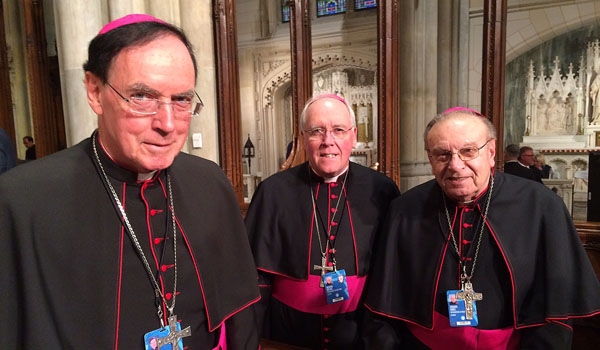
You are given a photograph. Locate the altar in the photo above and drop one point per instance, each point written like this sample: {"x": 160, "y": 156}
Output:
{"x": 570, "y": 178}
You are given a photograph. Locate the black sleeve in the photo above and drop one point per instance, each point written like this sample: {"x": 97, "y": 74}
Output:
{"x": 553, "y": 335}
{"x": 241, "y": 329}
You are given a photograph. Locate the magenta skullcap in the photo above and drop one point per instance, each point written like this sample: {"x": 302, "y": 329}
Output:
{"x": 463, "y": 109}
{"x": 129, "y": 19}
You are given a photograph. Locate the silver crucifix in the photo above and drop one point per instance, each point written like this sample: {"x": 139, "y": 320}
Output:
{"x": 323, "y": 267}
{"x": 174, "y": 335}
{"x": 469, "y": 296}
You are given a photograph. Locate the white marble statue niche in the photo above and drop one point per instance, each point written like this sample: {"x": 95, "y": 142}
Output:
{"x": 554, "y": 104}
{"x": 563, "y": 111}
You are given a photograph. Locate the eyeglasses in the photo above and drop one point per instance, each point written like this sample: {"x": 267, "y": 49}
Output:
{"x": 320, "y": 133}
{"x": 464, "y": 154}
{"x": 142, "y": 102}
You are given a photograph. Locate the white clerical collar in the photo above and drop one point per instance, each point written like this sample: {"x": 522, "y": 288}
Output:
{"x": 332, "y": 179}
{"x": 146, "y": 176}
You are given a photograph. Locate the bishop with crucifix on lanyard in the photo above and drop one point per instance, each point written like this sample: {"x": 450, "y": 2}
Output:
{"x": 312, "y": 229}
{"x": 118, "y": 252}
{"x": 495, "y": 258}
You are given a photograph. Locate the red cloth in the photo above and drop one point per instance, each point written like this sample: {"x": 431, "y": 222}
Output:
{"x": 443, "y": 336}
{"x": 307, "y": 296}
{"x": 129, "y": 19}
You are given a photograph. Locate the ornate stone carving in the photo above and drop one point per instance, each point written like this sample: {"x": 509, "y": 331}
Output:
{"x": 564, "y": 109}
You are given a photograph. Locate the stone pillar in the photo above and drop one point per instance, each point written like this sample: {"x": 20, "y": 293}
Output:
{"x": 74, "y": 30}
{"x": 168, "y": 10}
{"x": 197, "y": 21}
{"x": 120, "y": 8}
{"x": 18, "y": 94}
{"x": 418, "y": 28}
{"x": 453, "y": 68}
{"x": 462, "y": 51}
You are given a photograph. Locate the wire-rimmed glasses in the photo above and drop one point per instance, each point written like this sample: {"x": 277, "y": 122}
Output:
{"x": 320, "y": 133}
{"x": 143, "y": 103}
{"x": 464, "y": 154}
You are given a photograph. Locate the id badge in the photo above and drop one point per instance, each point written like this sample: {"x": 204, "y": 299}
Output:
{"x": 336, "y": 287}
{"x": 457, "y": 311}
{"x": 152, "y": 342}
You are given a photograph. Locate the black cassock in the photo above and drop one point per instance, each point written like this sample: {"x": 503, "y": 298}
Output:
{"x": 283, "y": 236}
{"x": 515, "y": 168}
{"x": 531, "y": 268}
{"x": 72, "y": 278}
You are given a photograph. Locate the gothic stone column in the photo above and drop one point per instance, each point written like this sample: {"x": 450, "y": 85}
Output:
{"x": 73, "y": 34}
{"x": 418, "y": 27}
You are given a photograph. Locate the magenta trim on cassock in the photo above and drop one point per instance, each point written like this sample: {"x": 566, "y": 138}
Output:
{"x": 443, "y": 336}
{"x": 307, "y": 296}
{"x": 129, "y": 19}
{"x": 222, "y": 339}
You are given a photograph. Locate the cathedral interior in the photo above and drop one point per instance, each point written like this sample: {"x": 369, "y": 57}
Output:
{"x": 541, "y": 90}
{"x": 534, "y": 69}
{"x": 551, "y": 60}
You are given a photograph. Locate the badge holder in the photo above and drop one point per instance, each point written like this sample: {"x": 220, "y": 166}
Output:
{"x": 168, "y": 337}
{"x": 457, "y": 310}
{"x": 336, "y": 287}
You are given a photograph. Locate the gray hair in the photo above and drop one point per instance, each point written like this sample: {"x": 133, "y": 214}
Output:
{"x": 450, "y": 113}
{"x": 322, "y": 96}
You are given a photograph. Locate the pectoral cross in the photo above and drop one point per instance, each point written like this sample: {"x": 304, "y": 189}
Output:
{"x": 323, "y": 267}
{"x": 469, "y": 296}
{"x": 174, "y": 335}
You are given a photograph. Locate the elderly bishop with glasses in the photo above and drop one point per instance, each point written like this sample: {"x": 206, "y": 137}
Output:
{"x": 123, "y": 241}
{"x": 475, "y": 258}
{"x": 312, "y": 229}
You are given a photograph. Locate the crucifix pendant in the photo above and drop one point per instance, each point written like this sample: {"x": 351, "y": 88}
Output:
{"x": 172, "y": 335}
{"x": 323, "y": 267}
{"x": 469, "y": 296}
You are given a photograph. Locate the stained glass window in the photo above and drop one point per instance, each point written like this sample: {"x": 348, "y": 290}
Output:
{"x": 285, "y": 11}
{"x": 364, "y": 4}
{"x": 330, "y": 7}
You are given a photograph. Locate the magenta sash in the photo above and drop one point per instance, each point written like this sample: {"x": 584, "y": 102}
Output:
{"x": 307, "y": 296}
{"x": 443, "y": 336}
